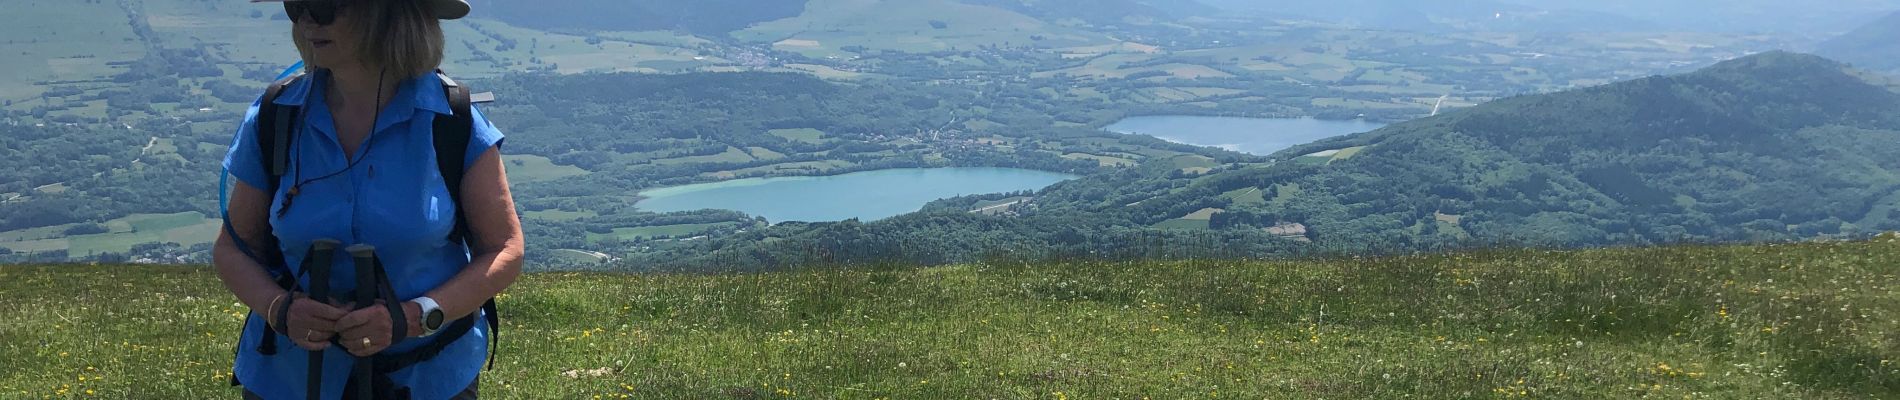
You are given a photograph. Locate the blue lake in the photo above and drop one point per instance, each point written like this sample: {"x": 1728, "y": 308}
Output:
{"x": 1257, "y": 136}
{"x": 867, "y": 196}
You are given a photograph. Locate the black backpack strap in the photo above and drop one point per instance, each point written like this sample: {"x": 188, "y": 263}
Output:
{"x": 452, "y": 136}
{"x": 274, "y": 131}
{"x": 494, "y": 330}
{"x": 273, "y": 135}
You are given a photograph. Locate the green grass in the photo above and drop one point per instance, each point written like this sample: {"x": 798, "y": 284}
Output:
{"x": 791, "y": 168}
{"x": 186, "y": 228}
{"x": 1190, "y": 163}
{"x": 1203, "y": 214}
{"x": 1771, "y": 321}
{"x": 732, "y": 155}
{"x": 1284, "y": 193}
{"x": 1105, "y": 161}
{"x": 645, "y": 232}
{"x": 577, "y": 255}
{"x": 806, "y": 135}
{"x": 1347, "y": 153}
{"x": 61, "y": 40}
{"x": 764, "y": 154}
{"x": 1183, "y": 223}
{"x": 827, "y": 26}
{"x": 531, "y": 168}
{"x": 559, "y": 215}
{"x": 1247, "y": 196}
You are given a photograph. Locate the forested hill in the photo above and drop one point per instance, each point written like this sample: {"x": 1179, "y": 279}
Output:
{"x": 1774, "y": 146}
{"x": 706, "y": 17}
{"x": 1771, "y": 146}
{"x": 716, "y": 18}
{"x": 1104, "y": 12}
{"x": 1875, "y": 46}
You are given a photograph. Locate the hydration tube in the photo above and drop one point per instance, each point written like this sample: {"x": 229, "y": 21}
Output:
{"x": 224, "y": 173}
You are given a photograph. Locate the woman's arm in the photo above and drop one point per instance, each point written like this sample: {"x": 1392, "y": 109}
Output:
{"x": 496, "y": 257}
{"x": 249, "y": 206}
{"x": 494, "y": 264}
{"x": 311, "y": 323}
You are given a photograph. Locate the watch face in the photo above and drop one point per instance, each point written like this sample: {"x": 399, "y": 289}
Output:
{"x": 432, "y": 320}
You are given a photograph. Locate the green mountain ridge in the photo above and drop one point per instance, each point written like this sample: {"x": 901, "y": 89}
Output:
{"x": 706, "y": 17}
{"x": 1774, "y": 146}
{"x": 1771, "y": 146}
{"x": 1871, "y": 46}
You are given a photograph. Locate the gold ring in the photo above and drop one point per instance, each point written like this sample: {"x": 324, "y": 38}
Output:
{"x": 366, "y": 343}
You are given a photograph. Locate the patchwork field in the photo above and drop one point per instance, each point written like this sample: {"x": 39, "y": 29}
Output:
{"x": 828, "y": 26}
{"x": 186, "y": 229}
{"x": 650, "y": 232}
{"x": 531, "y": 168}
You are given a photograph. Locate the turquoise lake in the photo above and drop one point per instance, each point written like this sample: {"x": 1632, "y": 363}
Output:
{"x": 867, "y": 196}
{"x": 1257, "y": 136}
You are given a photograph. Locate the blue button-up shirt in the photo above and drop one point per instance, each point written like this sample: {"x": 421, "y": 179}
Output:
{"x": 394, "y": 199}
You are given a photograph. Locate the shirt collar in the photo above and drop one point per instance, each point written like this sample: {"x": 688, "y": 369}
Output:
{"x": 424, "y": 92}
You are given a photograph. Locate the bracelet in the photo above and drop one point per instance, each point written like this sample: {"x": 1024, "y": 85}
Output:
{"x": 283, "y": 314}
{"x": 270, "y": 313}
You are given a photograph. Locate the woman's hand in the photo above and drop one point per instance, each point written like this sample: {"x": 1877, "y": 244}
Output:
{"x": 370, "y": 323}
{"x": 311, "y": 323}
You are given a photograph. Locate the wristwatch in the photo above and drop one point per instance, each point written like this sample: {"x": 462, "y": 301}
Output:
{"x": 431, "y": 315}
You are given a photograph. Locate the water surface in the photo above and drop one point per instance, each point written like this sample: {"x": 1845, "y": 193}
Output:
{"x": 869, "y": 195}
{"x": 1257, "y": 136}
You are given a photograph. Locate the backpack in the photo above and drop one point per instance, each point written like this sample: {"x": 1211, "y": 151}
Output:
{"x": 451, "y": 136}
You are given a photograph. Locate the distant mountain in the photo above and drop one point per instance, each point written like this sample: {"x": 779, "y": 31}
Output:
{"x": 718, "y": 17}
{"x": 706, "y": 17}
{"x": 1874, "y": 46}
{"x": 1102, "y": 11}
{"x": 1580, "y": 15}
{"x": 1453, "y": 15}
{"x": 1806, "y": 17}
{"x": 1771, "y": 146}
{"x": 1774, "y": 146}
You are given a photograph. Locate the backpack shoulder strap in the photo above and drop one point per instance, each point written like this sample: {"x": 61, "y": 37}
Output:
{"x": 273, "y": 143}
{"x": 274, "y": 125}
{"x": 452, "y": 135}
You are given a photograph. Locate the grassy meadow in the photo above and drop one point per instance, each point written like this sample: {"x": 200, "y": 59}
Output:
{"x": 1769, "y": 321}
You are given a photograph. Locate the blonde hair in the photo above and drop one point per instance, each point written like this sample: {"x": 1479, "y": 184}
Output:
{"x": 401, "y": 36}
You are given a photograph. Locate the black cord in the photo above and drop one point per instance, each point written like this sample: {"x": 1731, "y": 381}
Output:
{"x": 361, "y": 155}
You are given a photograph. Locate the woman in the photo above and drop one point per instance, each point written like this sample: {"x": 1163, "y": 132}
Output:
{"x": 362, "y": 170}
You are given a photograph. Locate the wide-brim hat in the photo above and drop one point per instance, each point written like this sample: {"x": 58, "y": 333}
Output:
{"x": 444, "y": 9}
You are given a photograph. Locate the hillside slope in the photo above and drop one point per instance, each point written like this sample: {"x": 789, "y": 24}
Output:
{"x": 1771, "y": 146}
{"x": 705, "y": 17}
{"x": 1874, "y": 46}
{"x": 1775, "y": 146}
{"x": 1781, "y": 321}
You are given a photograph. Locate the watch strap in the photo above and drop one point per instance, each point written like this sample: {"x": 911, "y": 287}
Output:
{"x": 428, "y": 307}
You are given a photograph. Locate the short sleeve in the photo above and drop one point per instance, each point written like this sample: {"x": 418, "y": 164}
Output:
{"x": 243, "y": 160}
{"x": 484, "y": 137}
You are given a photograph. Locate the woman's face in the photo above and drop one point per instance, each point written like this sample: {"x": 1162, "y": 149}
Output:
{"x": 330, "y": 46}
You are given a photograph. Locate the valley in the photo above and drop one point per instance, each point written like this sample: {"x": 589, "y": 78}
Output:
{"x": 600, "y": 111}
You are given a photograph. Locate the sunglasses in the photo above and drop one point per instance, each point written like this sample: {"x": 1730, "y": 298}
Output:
{"x": 323, "y": 12}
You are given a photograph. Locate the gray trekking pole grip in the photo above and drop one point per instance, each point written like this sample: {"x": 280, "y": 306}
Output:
{"x": 365, "y": 257}
{"x": 317, "y": 264}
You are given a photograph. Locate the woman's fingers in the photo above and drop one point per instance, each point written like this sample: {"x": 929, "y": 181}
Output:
{"x": 368, "y": 345}
{"x": 311, "y": 346}
{"x": 357, "y": 318}
{"x": 312, "y": 323}
{"x": 370, "y": 323}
